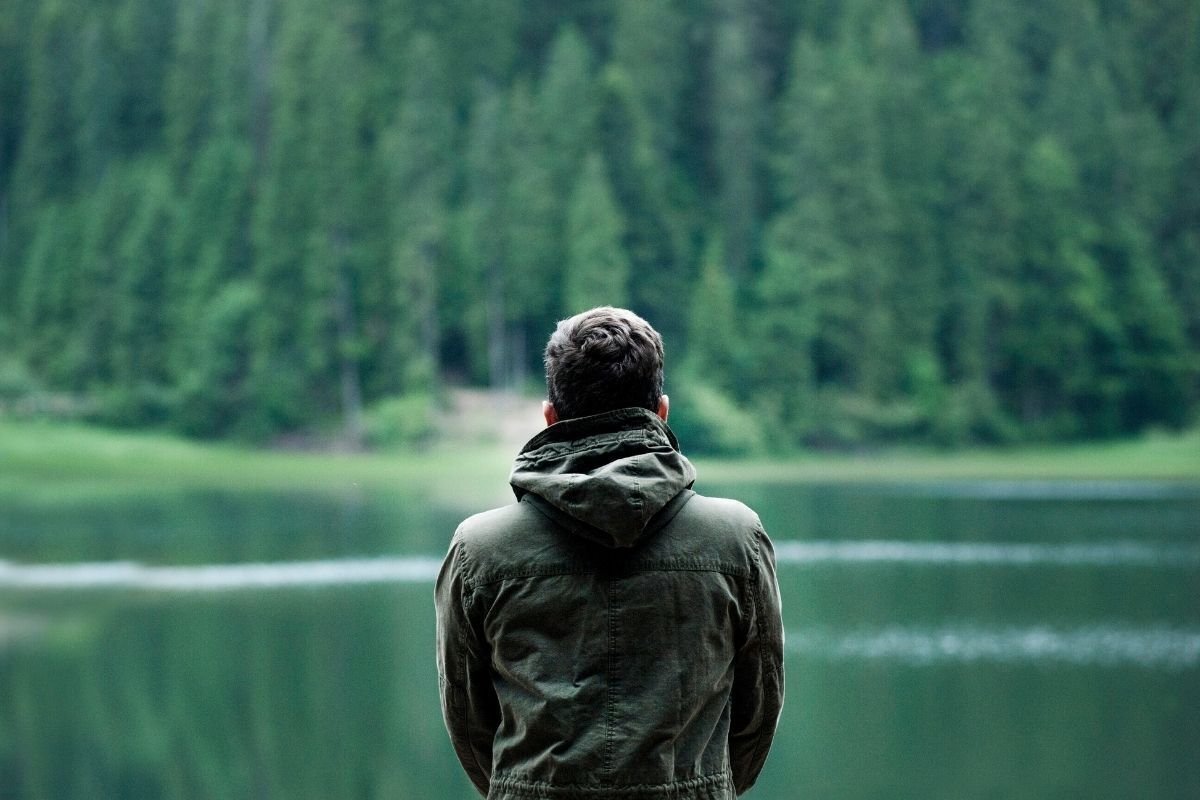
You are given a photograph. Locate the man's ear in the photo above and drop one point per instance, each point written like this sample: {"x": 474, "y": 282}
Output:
{"x": 549, "y": 412}
{"x": 664, "y": 407}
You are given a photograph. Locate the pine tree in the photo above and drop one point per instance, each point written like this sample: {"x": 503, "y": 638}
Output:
{"x": 567, "y": 105}
{"x": 1142, "y": 373}
{"x": 103, "y": 284}
{"x": 714, "y": 341}
{"x": 643, "y": 100}
{"x": 207, "y": 80}
{"x": 982, "y": 134}
{"x": 739, "y": 115}
{"x": 46, "y": 313}
{"x": 46, "y": 161}
{"x": 96, "y": 100}
{"x": 533, "y": 240}
{"x": 305, "y": 350}
{"x": 214, "y": 391}
{"x": 486, "y": 281}
{"x": 210, "y": 151}
{"x": 1180, "y": 240}
{"x": 802, "y": 300}
{"x": 209, "y": 243}
{"x": 142, "y": 33}
{"x": 649, "y": 47}
{"x": 13, "y": 83}
{"x": 1064, "y": 333}
{"x": 1157, "y": 367}
{"x": 140, "y": 330}
{"x": 910, "y": 168}
{"x": 831, "y": 184}
{"x": 968, "y": 221}
{"x": 281, "y": 219}
{"x": 332, "y": 265}
{"x": 419, "y": 158}
{"x": 597, "y": 267}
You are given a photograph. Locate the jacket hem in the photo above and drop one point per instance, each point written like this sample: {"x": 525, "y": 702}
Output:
{"x": 718, "y": 786}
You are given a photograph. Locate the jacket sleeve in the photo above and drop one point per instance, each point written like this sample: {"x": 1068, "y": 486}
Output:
{"x": 757, "y": 696}
{"x": 469, "y": 705}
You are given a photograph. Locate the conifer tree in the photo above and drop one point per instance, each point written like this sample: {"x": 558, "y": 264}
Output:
{"x": 909, "y": 165}
{"x": 206, "y": 84}
{"x": 332, "y": 265}
{"x": 597, "y": 267}
{"x": 644, "y": 91}
{"x": 567, "y": 105}
{"x": 1155, "y": 362}
{"x": 802, "y": 302}
{"x": 209, "y": 242}
{"x": 1064, "y": 331}
{"x": 966, "y": 221}
{"x": 140, "y": 327}
{"x": 714, "y": 343}
{"x": 12, "y": 88}
{"x": 533, "y": 240}
{"x": 419, "y": 158}
{"x": 649, "y": 46}
{"x": 283, "y": 370}
{"x": 46, "y": 311}
{"x": 830, "y": 179}
{"x": 102, "y": 283}
{"x": 739, "y": 114}
{"x": 1180, "y": 243}
{"x": 46, "y": 160}
{"x": 980, "y": 199}
{"x": 95, "y": 100}
{"x": 483, "y": 238}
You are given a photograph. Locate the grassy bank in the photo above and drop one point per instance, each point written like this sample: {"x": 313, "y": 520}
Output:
{"x": 55, "y": 460}
{"x": 1159, "y": 457}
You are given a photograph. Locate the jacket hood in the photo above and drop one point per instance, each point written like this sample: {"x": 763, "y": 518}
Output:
{"x": 610, "y": 473}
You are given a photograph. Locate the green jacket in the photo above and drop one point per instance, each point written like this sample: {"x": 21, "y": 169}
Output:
{"x": 612, "y": 634}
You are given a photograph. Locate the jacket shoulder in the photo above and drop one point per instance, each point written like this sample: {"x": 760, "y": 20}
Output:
{"x": 492, "y": 531}
{"x": 712, "y": 532}
{"x": 507, "y": 541}
{"x": 723, "y": 512}
{"x": 487, "y": 526}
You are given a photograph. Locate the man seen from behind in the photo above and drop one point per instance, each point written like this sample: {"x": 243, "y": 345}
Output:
{"x": 612, "y": 634}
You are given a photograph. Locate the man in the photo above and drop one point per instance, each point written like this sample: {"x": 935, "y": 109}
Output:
{"x": 612, "y": 634}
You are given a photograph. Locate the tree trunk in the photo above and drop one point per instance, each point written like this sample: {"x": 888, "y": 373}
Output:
{"x": 258, "y": 45}
{"x": 427, "y": 306}
{"x": 351, "y": 386}
{"x": 496, "y": 333}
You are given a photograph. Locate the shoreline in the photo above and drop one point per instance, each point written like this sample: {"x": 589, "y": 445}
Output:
{"x": 50, "y": 457}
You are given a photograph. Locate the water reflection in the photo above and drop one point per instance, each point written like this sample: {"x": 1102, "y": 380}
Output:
{"x": 304, "y": 695}
{"x": 939, "y": 645}
{"x": 1155, "y": 647}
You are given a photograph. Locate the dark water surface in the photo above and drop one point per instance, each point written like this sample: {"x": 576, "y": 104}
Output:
{"x": 955, "y": 640}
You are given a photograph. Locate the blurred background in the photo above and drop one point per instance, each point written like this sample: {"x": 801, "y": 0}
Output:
{"x": 275, "y": 277}
{"x": 944, "y": 220}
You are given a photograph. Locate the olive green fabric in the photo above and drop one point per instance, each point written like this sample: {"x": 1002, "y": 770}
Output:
{"x": 612, "y": 634}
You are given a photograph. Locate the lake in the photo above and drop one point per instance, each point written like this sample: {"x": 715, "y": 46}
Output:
{"x": 972, "y": 639}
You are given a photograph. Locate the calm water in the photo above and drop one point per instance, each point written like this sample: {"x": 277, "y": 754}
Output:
{"x": 959, "y": 640}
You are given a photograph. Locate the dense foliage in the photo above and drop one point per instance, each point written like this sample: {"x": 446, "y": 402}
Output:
{"x": 956, "y": 220}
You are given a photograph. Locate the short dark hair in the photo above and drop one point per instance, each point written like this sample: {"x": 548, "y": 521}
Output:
{"x": 603, "y": 359}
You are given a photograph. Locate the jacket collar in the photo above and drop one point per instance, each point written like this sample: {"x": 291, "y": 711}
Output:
{"x": 611, "y": 473}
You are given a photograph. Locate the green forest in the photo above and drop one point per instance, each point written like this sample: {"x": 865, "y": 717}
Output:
{"x": 949, "y": 221}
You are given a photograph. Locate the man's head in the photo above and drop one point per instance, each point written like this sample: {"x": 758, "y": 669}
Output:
{"x": 603, "y": 359}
